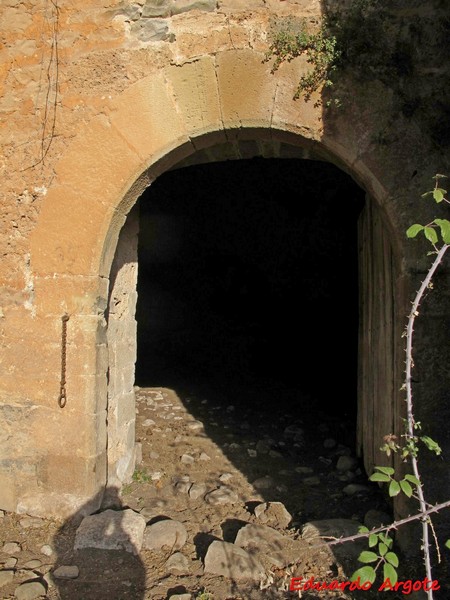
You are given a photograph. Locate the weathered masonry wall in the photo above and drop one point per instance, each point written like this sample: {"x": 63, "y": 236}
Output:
{"x": 98, "y": 99}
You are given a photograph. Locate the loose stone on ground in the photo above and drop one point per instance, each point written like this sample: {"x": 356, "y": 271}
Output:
{"x": 30, "y": 590}
{"x": 233, "y": 562}
{"x": 112, "y": 530}
{"x": 165, "y": 534}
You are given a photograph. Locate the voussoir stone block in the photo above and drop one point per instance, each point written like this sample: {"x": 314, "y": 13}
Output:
{"x": 246, "y": 88}
{"x": 159, "y": 127}
{"x": 195, "y": 91}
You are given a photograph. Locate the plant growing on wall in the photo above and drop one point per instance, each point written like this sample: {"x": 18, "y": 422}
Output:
{"x": 369, "y": 40}
{"x": 357, "y": 38}
{"x": 318, "y": 46}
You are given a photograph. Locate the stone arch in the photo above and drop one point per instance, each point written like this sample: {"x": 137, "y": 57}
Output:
{"x": 157, "y": 122}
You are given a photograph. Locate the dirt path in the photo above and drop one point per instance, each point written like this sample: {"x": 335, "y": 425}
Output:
{"x": 263, "y": 445}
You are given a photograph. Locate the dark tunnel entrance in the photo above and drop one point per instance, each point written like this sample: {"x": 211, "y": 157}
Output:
{"x": 248, "y": 277}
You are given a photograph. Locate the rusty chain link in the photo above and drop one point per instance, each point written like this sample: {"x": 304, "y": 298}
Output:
{"x": 62, "y": 390}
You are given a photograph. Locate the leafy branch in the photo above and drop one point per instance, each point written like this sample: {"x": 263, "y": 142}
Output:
{"x": 437, "y": 232}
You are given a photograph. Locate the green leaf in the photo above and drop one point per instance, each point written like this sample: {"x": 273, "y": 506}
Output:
{"x": 447, "y": 544}
{"x": 382, "y": 548}
{"x": 394, "y": 488}
{"x": 431, "y": 444}
{"x": 392, "y": 558}
{"x": 444, "y": 225}
{"x": 366, "y": 573}
{"x": 379, "y": 477}
{"x": 406, "y": 488}
{"x": 438, "y": 194}
{"x": 387, "y": 470}
{"x": 363, "y": 529}
{"x": 439, "y": 176}
{"x": 367, "y": 557}
{"x": 430, "y": 234}
{"x": 412, "y": 479}
{"x": 427, "y": 194}
{"x": 412, "y": 231}
{"x": 385, "y": 539}
{"x": 373, "y": 540}
{"x": 390, "y": 573}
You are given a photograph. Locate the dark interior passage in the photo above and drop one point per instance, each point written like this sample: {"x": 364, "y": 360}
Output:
{"x": 248, "y": 275}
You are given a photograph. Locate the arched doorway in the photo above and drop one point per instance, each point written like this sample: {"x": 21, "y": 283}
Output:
{"x": 256, "y": 273}
{"x": 99, "y": 180}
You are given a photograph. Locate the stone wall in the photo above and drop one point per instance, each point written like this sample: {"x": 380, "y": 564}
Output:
{"x": 97, "y": 100}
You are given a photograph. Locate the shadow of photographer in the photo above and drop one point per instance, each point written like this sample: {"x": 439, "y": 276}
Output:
{"x": 98, "y": 554}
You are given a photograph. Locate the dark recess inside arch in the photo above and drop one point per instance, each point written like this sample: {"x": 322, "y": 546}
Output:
{"x": 248, "y": 277}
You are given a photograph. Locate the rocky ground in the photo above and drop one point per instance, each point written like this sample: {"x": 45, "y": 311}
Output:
{"x": 227, "y": 503}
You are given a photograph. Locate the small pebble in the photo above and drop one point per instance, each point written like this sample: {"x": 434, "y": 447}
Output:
{"x": 263, "y": 483}
{"x": 32, "y": 564}
{"x": 263, "y": 447}
{"x": 10, "y": 563}
{"x": 355, "y": 488}
{"x": 6, "y": 576}
{"x": 66, "y": 572}
{"x": 31, "y": 522}
{"x": 197, "y": 490}
{"x": 30, "y": 590}
{"x": 177, "y": 564}
{"x": 11, "y": 548}
{"x": 183, "y": 487}
{"x": 47, "y": 550}
{"x": 304, "y": 470}
{"x": 195, "y": 426}
{"x": 346, "y": 463}
{"x": 187, "y": 459}
{"x": 311, "y": 481}
{"x": 223, "y": 495}
{"x": 275, "y": 454}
